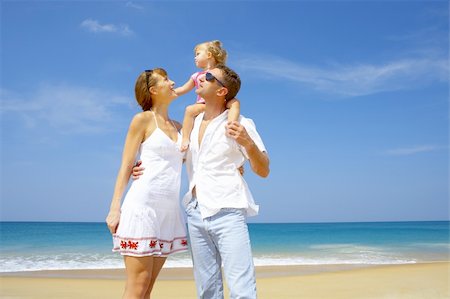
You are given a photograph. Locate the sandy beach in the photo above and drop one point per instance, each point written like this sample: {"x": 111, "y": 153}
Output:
{"x": 427, "y": 280}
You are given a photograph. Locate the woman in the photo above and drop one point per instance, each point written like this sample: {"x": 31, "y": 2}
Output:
{"x": 149, "y": 226}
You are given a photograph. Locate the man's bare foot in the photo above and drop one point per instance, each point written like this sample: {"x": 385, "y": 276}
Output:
{"x": 184, "y": 145}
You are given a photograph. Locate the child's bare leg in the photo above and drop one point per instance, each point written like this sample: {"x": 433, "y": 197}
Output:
{"x": 188, "y": 123}
{"x": 234, "y": 109}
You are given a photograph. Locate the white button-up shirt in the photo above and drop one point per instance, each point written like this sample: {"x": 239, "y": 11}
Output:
{"x": 212, "y": 167}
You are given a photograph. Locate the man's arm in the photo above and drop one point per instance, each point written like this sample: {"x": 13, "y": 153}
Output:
{"x": 259, "y": 161}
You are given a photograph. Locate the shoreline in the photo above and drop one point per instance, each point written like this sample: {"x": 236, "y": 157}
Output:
{"x": 186, "y": 273}
{"x": 412, "y": 281}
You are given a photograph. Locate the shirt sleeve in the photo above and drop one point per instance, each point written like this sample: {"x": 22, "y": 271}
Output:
{"x": 194, "y": 78}
{"x": 254, "y": 135}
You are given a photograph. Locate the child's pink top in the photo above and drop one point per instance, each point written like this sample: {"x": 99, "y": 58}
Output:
{"x": 195, "y": 77}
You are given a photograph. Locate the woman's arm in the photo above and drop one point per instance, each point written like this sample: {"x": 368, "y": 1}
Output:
{"x": 188, "y": 86}
{"x": 134, "y": 138}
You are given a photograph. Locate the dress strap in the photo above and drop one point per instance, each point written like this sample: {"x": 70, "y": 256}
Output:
{"x": 174, "y": 125}
{"x": 154, "y": 117}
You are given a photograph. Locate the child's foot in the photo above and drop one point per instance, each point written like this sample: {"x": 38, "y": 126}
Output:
{"x": 184, "y": 145}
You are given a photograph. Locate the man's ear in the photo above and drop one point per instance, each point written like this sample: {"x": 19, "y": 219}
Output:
{"x": 223, "y": 91}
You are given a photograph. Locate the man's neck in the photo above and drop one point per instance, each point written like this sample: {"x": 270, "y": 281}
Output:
{"x": 214, "y": 109}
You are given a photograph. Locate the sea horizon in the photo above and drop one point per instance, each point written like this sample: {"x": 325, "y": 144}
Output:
{"x": 268, "y": 222}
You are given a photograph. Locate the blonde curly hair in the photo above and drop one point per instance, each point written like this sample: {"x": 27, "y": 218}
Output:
{"x": 216, "y": 49}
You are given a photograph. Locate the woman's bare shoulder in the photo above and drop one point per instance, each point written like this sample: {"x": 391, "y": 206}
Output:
{"x": 142, "y": 119}
{"x": 143, "y": 116}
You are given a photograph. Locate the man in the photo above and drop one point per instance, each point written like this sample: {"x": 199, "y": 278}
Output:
{"x": 218, "y": 199}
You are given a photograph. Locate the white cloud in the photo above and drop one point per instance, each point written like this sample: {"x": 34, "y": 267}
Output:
{"x": 134, "y": 5}
{"x": 412, "y": 150}
{"x": 94, "y": 26}
{"x": 429, "y": 41}
{"x": 352, "y": 80}
{"x": 67, "y": 108}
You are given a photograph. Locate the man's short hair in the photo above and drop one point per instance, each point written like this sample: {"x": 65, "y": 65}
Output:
{"x": 231, "y": 80}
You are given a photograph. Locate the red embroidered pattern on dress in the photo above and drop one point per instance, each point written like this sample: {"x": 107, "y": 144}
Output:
{"x": 129, "y": 245}
{"x": 123, "y": 244}
{"x": 133, "y": 245}
{"x": 156, "y": 246}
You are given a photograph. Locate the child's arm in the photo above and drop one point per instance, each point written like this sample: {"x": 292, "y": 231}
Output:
{"x": 235, "y": 109}
{"x": 188, "y": 123}
{"x": 188, "y": 86}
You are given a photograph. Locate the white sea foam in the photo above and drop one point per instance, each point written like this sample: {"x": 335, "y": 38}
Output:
{"x": 355, "y": 254}
{"x": 286, "y": 261}
{"x": 75, "y": 262}
{"x": 113, "y": 261}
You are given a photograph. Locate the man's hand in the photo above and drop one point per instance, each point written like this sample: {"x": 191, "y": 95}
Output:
{"x": 137, "y": 171}
{"x": 238, "y": 132}
{"x": 259, "y": 161}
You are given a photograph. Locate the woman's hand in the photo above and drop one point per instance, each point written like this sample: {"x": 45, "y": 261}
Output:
{"x": 112, "y": 220}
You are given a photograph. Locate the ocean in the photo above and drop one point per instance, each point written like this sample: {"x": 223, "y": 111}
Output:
{"x": 34, "y": 246}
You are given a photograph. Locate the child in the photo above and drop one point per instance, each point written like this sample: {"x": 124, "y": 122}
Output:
{"x": 207, "y": 56}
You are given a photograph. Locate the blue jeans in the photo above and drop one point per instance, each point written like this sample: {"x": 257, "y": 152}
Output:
{"x": 222, "y": 237}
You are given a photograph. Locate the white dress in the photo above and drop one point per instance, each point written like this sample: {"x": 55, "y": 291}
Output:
{"x": 151, "y": 222}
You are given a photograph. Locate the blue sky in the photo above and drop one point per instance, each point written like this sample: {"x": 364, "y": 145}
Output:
{"x": 350, "y": 97}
